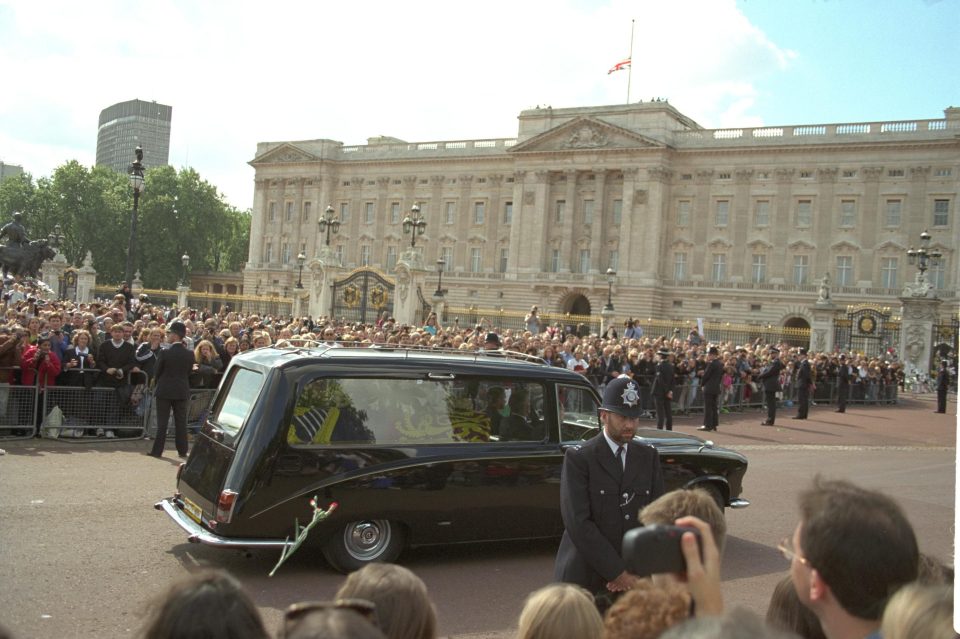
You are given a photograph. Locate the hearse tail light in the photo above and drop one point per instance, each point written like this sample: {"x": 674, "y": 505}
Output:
{"x": 228, "y": 499}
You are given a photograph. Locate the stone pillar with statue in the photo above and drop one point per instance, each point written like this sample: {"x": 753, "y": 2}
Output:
{"x": 86, "y": 280}
{"x": 323, "y": 271}
{"x": 411, "y": 276}
{"x": 919, "y": 312}
{"x": 824, "y": 312}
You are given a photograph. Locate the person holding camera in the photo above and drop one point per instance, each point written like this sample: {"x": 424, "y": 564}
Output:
{"x": 39, "y": 365}
{"x": 173, "y": 369}
{"x": 604, "y": 484}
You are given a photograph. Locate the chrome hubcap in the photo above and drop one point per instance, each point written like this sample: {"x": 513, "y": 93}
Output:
{"x": 366, "y": 540}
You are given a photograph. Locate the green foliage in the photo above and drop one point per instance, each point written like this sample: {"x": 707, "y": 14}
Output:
{"x": 179, "y": 213}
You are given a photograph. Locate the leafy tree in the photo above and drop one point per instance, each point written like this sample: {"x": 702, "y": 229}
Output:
{"x": 179, "y": 213}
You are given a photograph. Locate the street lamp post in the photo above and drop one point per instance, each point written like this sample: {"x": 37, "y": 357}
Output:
{"x": 329, "y": 223}
{"x": 924, "y": 257}
{"x": 440, "y": 264}
{"x": 414, "y": 224}
{"x": 185, "y": 261}
{"x": 611, "y": 277}
{"x": 136, "y": 183}
{"x": 301, "y": 258}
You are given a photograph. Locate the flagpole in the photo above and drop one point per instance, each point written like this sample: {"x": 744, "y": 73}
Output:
{"x": 630, "y": 71}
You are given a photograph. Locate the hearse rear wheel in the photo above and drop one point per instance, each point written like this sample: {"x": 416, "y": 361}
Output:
{"x": 362, "y": 542}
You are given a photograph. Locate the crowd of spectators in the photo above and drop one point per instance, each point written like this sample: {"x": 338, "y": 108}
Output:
{"x": 88, "y": 347}
{"x": 887, "y": 588}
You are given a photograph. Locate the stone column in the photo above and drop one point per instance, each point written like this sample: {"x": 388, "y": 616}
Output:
{"x": 597, "y": 262}
{"x": 182, "y": 296}
{"x": 86, "y": 280}
{"x": 410, "y": 276}
{"x": 821, "y": 329}
{"x": 569, "y": 261}
{"x": 920, "y": 310}
{"x": 656, "y": 200}
{"x": 740, "y": 222}
{"x": 136, "y": 286}
{"x": 630, "y": 235}
{"x": 323, "y": 271}
{"x": 52, "y": 272}
{"x": 300, "y": 301}
{"x": 439, "y": 307}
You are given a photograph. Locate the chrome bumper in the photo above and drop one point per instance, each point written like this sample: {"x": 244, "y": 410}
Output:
{"x": 738, "y": 503}
{"x": 197, "y": 534}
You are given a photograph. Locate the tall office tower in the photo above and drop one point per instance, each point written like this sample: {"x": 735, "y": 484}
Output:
{"x": 126, "y": 125}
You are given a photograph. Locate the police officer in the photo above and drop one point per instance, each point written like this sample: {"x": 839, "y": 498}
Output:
{"x": 770, "y": 376}
{"x": 662, "y": 390}
{"x": 943, "y": 383}
{"x": 843, "y": 384}
{"x": 604, "y": 484}
{"x": 804, "y": 381}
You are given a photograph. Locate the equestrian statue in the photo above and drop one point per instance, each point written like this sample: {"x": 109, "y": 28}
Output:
{"x": 22, "y": 256}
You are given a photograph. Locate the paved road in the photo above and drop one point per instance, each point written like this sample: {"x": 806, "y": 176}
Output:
{"x": 82, "y": 550}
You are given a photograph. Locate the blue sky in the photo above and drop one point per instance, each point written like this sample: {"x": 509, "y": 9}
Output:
{"x": 242, "y": 72}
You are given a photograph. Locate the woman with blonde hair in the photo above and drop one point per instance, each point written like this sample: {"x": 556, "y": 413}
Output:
{"x": 919, "y": 610}
{"x": 208, "y": 365}
{"x": 560, "y": 611}
{"x": 404, "y": 609}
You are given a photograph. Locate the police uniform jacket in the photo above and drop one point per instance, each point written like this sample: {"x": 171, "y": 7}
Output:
{"x": 804, "y": 376}
{"x": 173, "y": 372}
{"x": 770, "y": 376}
{"x": 663, "y": 379}
{"x": 943, "y": 376}
{"x": 712, "y": 376}
{"x": 843, "y": 375}
{"x": 600, "y": 502}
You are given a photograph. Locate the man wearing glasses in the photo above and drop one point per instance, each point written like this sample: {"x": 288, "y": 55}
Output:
{"x": 603, "y": 485}
{"x": 852, "y": 549}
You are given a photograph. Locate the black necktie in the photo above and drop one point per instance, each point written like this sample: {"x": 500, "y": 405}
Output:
{"x": 620, "y": 456}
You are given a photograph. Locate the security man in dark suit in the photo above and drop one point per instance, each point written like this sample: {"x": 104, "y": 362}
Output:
{"x": 843, "y": 384}
{"x": 662, "y": 390}
{"x": 804, "y": 381}
{"x": 712, "y": 375}
{"x": 943, "y": 383}
{"x": 174, "y": 366}
{"x": 604, "y": 484}
{"x": 770, "y": 376}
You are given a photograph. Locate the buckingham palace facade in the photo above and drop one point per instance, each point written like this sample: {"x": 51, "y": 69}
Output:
{"x": 725, "y": 224}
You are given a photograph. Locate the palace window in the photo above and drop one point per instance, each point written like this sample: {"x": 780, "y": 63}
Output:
{"x": 722, "y": 215}
{"x": 614, "y": 260}
{"x": 941, "y": 212}
{"x": 476, "y": 259}
{"x": 368, "y": 213}
{"x": 394, "y": 212}
{"x": 848, "y": 212}
{"x": 804, "y": 213}
{"x": 446, "y": 254}
{"x": 893, "y": 212}
{"x": 761, "y": 216}
{"x": 758, "y": 270}
{"x": 508, "y": 212}
{"x": 559, "y": 211}
{"x": 718, "y": 272}
{"x": 801, "y": 269}
{"x": 272, "y": 212}
{"x": 683, "y": 213}
{"x": 365, "y": 255}
{"x": 391, "y": 257}
{"x": 679, "y": 266}
{"x": 449, "y": 212}
{"x": 504, "y": 258}
{"x": 289, "y": 213}
{"x": 479, "y": 212}
{"x": 268, "y": 252}
{"x": 285, "y": 253}
{"x": 588, "y": 211}
{"x": 306, "y": 211}
{"x": 584, "y": 261}
{"x": 617, "y": 212}
{"x": 844, "y": 270}
{"x": 344, "y": 213}
{"x": 937, "y": 273}
{"x": 555, "y": 261}
{"x": 888, "y": 272}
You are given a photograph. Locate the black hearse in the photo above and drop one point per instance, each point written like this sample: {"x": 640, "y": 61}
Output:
{"x": 416, "y": 447}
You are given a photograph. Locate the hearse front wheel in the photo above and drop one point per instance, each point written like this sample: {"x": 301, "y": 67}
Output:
{"x": 362, "y": 542}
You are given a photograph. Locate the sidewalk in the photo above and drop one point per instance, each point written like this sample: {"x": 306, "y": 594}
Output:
{"x": 912, "y": 423}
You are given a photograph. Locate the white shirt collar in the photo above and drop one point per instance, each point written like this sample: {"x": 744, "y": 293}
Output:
{"x": 614, "y": 446}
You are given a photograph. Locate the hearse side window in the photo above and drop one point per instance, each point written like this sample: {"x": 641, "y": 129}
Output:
{"x": 577, "y": 408}
{"x": 235, "y": 400}
{"x": 350, "y": 411}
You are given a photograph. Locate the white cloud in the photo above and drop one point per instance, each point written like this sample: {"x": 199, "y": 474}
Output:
{"x": 242, "y": 72}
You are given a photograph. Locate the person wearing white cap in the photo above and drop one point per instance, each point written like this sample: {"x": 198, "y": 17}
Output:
{"x": 604, "y": 484}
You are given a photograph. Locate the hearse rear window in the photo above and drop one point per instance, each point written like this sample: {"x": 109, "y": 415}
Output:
{"x": 418, "y": 411}
{"x": 234, "y": 405}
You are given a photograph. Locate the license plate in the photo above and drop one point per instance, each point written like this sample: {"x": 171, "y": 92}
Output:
{"x": 193, "y": 510}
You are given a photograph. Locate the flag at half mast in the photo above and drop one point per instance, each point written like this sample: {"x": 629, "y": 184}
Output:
{"x": 620, "y": 66}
